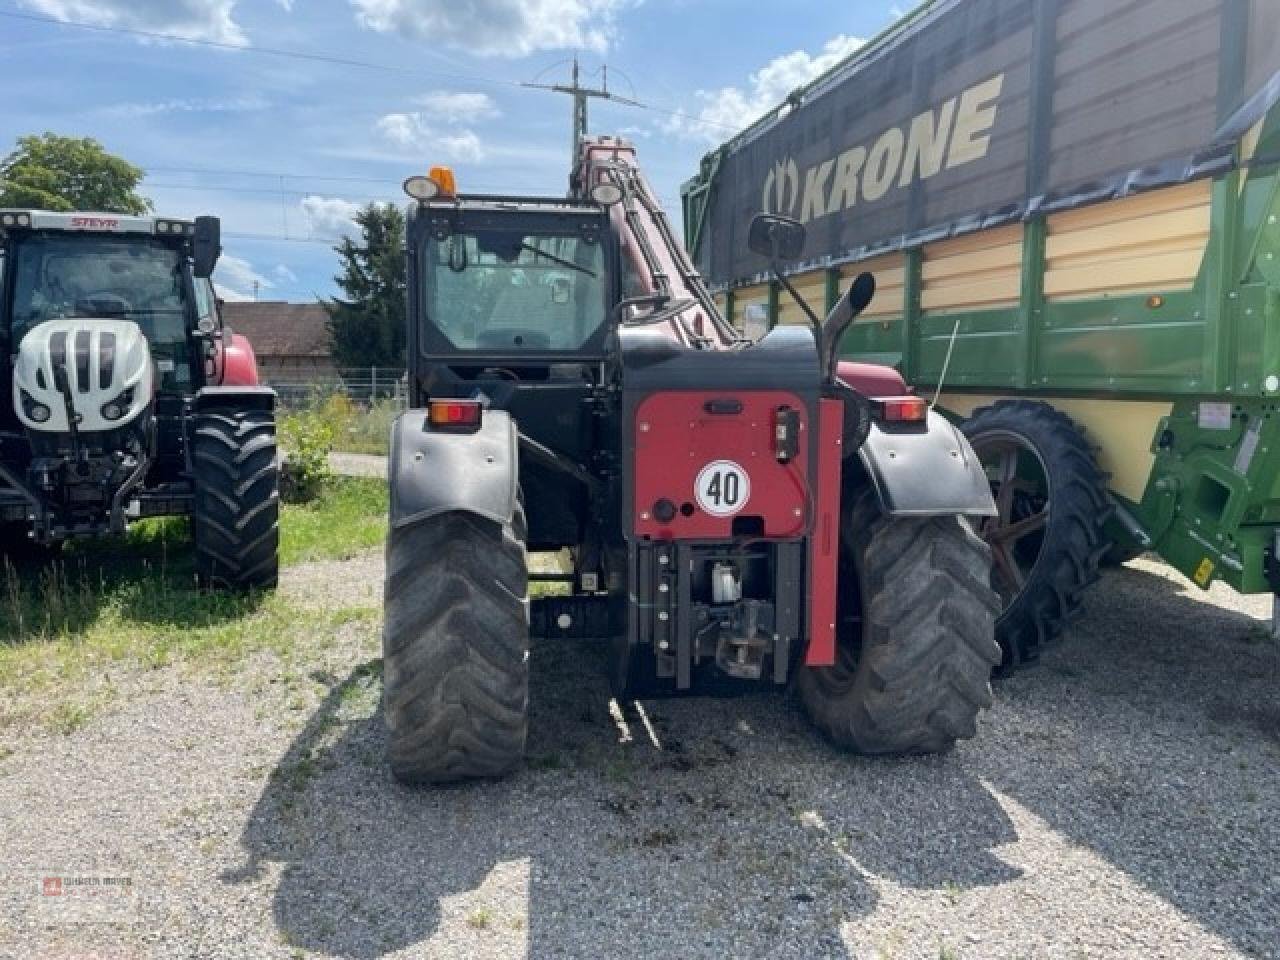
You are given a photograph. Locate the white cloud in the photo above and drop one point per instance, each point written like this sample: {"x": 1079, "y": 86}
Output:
{"x": 450, "y": 107}
{"x": 502, "y": 28}
{"x": 330, "y": 218}
{"x": 729, "y": 109}
{"x": 284, "y": 274}
{"x": 247, "y": 104}
{"x": 189, "y": 19}
{"x": 414, "y": 131}
{"x": 235, "y": 278}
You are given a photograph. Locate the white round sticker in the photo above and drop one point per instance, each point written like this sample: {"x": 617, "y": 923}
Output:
{"x": 723, "y": 488}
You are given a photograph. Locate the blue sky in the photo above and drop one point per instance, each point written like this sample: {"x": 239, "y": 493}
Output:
{"x": 298, "y": 143}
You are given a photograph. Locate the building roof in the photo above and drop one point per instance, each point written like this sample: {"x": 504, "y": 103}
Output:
{"x": 279, "y": 329}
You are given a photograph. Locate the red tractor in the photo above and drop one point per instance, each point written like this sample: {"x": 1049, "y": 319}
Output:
{"x": 130, "y": 398}
{"x": 751, "y": 513}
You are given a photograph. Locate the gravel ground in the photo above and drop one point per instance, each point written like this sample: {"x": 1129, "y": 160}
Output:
{"x": 358, "y": 464}
{"x": 1120, "y": 801}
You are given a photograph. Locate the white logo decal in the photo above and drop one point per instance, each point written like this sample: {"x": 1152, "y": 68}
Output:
{"x": 722, "y": 488}
{"x": 953, "y": 134}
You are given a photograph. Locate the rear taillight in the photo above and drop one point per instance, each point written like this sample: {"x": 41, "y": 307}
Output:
{"x": 454, "y": 414}
{"x": 902, "y": 410}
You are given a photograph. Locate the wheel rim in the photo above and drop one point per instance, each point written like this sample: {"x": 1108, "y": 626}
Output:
{"x": 1023, "y": 494}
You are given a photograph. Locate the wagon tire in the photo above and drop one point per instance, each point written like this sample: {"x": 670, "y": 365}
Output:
{"x": 1049, "y": 539}
{"x": 916, "y": 635}
{"x": 455, "y": 648}
{"x": 235, "y": 515}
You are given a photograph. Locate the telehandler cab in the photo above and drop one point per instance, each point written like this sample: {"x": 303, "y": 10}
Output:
{"x": 745, "y": 512}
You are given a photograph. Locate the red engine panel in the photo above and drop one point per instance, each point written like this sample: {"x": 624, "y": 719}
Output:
{"x": 679, "y": 439}
{"x": 824, "y": 547}
{"x": 237, "y": 363}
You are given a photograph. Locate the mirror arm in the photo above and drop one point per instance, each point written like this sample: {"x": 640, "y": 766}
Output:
{"x": 813, "y": 317}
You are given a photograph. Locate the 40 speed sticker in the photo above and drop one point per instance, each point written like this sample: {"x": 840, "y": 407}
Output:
{"x": 722, "y": 488}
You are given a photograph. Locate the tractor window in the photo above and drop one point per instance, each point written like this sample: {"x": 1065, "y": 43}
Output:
{"x": 507, "y": 291}
{"x": 133, "y": 278}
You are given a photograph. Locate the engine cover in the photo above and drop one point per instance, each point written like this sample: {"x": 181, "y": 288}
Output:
{"x": 107, "y": 364}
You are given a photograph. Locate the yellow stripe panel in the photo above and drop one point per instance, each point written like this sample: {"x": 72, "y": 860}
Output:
{"x": 977, "y": 271}
{"x": 1154, "y": 241}
{"x": 890, "y": 272}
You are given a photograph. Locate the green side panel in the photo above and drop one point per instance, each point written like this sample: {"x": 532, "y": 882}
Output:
{"x": 876, "y": 341}
{"x": 1124, "y": 345}
{"x": 985, "y": 348}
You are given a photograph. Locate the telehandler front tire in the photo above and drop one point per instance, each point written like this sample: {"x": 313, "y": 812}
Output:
{"x": 235, "y": 516}
{"x": 455, "y": 647}
{"x": 916, "y": 640}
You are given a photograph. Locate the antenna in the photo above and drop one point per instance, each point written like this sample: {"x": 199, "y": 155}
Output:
{"x": 581, "y": 95}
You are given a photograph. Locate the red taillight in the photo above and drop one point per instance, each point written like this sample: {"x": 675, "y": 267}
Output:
{"x": 903, "y": 410}
{"x": 453, "y": 414}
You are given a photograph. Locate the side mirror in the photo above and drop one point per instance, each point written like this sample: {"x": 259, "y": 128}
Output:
{"x": 775, "y": 237}
{"x": 206, "y": 246}
{"x": 857, "y": 299}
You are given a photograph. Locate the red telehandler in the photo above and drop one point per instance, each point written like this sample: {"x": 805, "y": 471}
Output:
{"x": 754, "y": 513}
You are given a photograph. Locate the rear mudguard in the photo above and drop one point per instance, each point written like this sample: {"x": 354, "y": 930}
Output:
{"x": 434, "y": 472}
{"x": 931, "y": 472}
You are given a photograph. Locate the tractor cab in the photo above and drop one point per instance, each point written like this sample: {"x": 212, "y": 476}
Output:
{"x": 64, "y": 266}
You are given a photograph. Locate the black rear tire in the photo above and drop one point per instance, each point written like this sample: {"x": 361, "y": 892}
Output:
{"x": 455, "y": 647}
{"x": 916, "y": 643}
{"x": 1042, "y": 571}
{"x": 235, "y": 518}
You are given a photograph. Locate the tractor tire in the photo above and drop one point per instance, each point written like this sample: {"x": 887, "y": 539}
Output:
{"x": 235, "y": 517}
{"x": 1043, "y": 559}
{"x": 455, "y": 648}
{"x": 916, "y": 639}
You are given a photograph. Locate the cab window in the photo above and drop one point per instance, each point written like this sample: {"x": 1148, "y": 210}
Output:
{"x": 511, "y": 291}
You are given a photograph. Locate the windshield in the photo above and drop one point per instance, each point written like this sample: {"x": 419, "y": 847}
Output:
{"x": 130, "y": 278}
{"x": 513, "y": 291}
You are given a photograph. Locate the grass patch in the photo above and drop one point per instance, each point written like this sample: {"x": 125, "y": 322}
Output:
{"x": 350, "y": 427}
{"x": 349, "y": 517}
{"x": 126, "y": 603}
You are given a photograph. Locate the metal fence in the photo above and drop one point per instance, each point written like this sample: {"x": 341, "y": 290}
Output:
{"x": 364, "y": 386}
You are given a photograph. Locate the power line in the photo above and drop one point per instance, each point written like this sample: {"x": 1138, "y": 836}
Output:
{"x": 326, "y": 58}
{"x": 329, "y": 59}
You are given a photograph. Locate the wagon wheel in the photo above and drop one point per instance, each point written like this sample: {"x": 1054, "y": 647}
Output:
{"x": 1022, "y": 491}
{"x": 1052, "y": 505}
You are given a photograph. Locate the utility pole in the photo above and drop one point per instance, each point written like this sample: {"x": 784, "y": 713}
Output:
{"x": 581, "y": 95}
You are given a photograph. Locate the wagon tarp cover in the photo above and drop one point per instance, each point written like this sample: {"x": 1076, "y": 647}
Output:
{"x": 978, "y": 112}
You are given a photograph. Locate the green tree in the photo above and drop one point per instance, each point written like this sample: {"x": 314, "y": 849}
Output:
{"x": 69, "y": 173}
{"x": 367, "y": 325}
